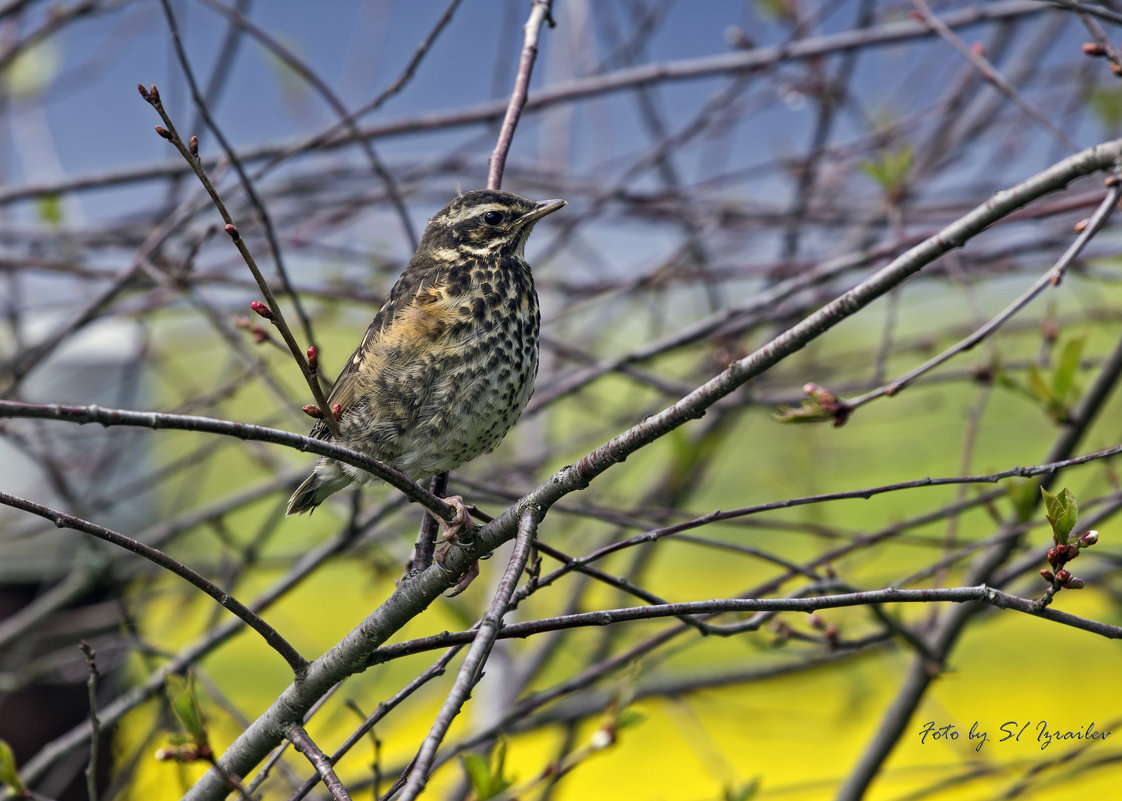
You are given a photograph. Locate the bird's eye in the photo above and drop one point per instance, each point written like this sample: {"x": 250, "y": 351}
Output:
{"x": 493, "y": 217}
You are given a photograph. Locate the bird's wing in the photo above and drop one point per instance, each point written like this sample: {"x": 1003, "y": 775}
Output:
{"x": 412, "y": 321}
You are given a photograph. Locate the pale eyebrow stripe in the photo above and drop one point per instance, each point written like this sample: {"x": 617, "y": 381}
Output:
{"x": 462, "y": 215}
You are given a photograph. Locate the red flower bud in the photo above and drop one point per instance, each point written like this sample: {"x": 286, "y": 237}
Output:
{"x": 337, "y": 411}
{"x": 1047, "y": 574}
{"x": 193, "y": 146}
{"x": 1093, "y": 49}
{"x": 233, "y": 232}
{"x": 1075, "y": 583}
{"x": 313, "y": 358}
{"x": 261, "y": 309}
{"x": 1088, "y": 538}
{"x": 312, "y": 410}
{"x": 164, "y": 132}
{"x": 1063, "y": 576}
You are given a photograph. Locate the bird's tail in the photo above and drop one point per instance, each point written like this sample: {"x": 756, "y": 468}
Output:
{"x": 315, "y": 490}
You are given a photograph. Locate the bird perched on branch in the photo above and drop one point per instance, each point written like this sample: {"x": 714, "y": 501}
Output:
{"x": 448, "y": 363}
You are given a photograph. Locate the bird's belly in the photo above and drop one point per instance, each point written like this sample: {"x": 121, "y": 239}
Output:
{"x": 470, "y": 412}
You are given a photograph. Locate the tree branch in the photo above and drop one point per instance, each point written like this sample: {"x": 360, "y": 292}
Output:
{"x": 415, "y": 593}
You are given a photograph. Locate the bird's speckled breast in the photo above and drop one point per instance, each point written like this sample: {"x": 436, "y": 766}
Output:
{"x": 462, "y": 370}
{"x": 486, "y": 376}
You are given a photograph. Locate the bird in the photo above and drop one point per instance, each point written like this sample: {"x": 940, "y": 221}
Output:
{"x": 448, "y": 363}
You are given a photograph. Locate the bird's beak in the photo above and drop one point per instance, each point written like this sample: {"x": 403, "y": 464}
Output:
{"x": 543, "y": 208}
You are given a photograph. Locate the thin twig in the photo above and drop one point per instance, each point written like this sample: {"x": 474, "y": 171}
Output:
{"x": 346, "y": 118}
{"x": 95, "y": 722}
{"x": 995, "y": 78}
{"x": 276, "y": 316}
{"x": 254, "y": 621}
{"x": 299, "y": 737}
{"x": 539, "y": 15}
{"x": 808, "y": 604}
{"x": 235, "y": 161}
{"x": 430, "y": 529}
{"x": 1051, "y": 277}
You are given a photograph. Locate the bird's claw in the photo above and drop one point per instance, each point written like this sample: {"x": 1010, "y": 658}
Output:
{"x": 450, "y": 531}
{"x": 467, "y": 578}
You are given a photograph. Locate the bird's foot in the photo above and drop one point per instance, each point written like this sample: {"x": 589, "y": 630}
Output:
{"x": 467, "y": 578}
{"x": 450, "y": 533}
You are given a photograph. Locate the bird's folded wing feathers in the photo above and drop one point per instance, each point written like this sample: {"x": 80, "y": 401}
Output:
{"x": 407, "y": 326}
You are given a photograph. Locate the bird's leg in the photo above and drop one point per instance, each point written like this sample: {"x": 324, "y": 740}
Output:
{"x": 450, "y": 533}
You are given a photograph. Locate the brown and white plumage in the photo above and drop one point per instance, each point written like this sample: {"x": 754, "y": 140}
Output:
{"x": 448, "y": 363}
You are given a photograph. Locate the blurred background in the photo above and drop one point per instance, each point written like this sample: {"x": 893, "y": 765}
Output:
{"x": 729, "y": 167}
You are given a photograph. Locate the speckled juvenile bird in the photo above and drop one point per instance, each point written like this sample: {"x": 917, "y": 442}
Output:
{"x": 448, "y": 363}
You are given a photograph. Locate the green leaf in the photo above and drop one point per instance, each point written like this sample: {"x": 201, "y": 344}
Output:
{"x": 181, "y": 696}
{"x": 891, "y": 170}
{"x": 9, "y": 773}
{"x": 744, "y": 792}
{"x": 1062, "y": 511}
{"x": 775, "y": 10}
{"x": 293, "y": 86}
{"x": 486, "y": 777}
{"x": 1022, "y": 494}
{"x": 50, "y": 209}
{"x": 1107, "y": 105}
{"x": 1038, "y": 387}
{"x": 478, "y": 772}
{"x": 809, "y": 412}
{"x": 629, "y": 718}
{"x": 1063, "y": 377}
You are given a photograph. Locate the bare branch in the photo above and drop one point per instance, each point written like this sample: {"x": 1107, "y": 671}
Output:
{"x": 63, "y": 520}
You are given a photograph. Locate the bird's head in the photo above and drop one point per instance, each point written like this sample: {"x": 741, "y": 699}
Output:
{"x": 485, "y": 222}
